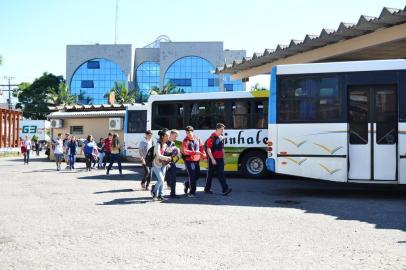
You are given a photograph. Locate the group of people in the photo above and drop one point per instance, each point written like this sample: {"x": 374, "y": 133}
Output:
{"x": 161, "y": 158}
{"x": 106, "y": 150}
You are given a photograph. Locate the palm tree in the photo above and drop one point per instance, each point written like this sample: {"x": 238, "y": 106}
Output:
{"x": 169, "y": 88}
{"x": 81, "y": 98}
{"x": 61, "y": 96}
{"x": 122, "y": 93}
{"x": 1, "y": 60}
{"x": 257, "y": 87}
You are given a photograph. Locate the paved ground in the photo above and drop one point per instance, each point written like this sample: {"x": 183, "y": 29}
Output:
{"x": 80, "y": 220}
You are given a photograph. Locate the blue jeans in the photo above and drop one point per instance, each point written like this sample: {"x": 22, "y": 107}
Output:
{"x": 72, "y": 159}
{"x": 27, "y": 157}
{"x": 160, "y": 175}
{"x": 193, "y": 169}
{"x": 115, "y": 158}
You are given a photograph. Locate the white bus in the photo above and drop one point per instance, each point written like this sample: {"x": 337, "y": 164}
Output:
{"x": 245, "y": 115}
{"x": 343, "y": 121}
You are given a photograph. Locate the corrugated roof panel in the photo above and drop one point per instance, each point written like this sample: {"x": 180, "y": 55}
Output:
{"x": 56, "y": 115}
{"x": 365, "y": 24}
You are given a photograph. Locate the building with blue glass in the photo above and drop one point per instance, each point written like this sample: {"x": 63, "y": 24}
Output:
{"x": 91, "y": 70}
{"x": 186, "y": 65}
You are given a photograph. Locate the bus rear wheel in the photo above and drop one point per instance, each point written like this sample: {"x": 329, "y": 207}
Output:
{"x": 253, "y": 164}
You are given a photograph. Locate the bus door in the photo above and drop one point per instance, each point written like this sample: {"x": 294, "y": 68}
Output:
{"x": 135, "y": 131}
{"x": 373, "y": 132}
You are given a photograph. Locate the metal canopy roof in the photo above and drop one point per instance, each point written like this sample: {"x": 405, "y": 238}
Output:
{"x": 88, "y": 114}
{"x": 366, "y": 24}
{"x": 91, "y": 107}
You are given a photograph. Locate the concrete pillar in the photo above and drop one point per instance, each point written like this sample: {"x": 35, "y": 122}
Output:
{"x": 9, "y": 127}
{"x": 18, "y": 128}
{"x": 1, "y": 127}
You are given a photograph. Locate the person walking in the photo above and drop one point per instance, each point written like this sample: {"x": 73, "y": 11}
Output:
{"x": 37, "y": 147}
{"x": 72, "y": 145}
{"x": 23, "y": 149}
{"x": 192, "y": 153}
{"x": 143, "y": 148}
{"x": 88, "y": 149}
{"x": 115, "y": 154}
{"x": 28, "y": 147}
{"x": 107, "y": 149}
{"x": 57, "y": 144}
{"x": 159, "y": 164}
{"x": 100, "y": 147}
{"x": 66, "y": 149}
{"x": 215, "y": 152}
{"x": 173, "y": 152}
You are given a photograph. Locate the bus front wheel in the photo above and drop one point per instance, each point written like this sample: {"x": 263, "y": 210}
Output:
{"x": 253, "y": 164}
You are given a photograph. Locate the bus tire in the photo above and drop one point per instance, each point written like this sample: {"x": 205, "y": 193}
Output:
{"x": 253, "y": 164}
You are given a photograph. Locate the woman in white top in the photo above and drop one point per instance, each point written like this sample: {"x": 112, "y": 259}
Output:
{"x": 159, "y": 164}
{"x": 28, "y": 146}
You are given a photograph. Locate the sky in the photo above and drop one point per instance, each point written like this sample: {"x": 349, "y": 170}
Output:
{"x": 34, "y": 34}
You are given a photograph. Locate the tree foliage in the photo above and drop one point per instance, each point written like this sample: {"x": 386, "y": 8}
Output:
{"x": 82, "y": 98}
{"x": 257, "y": 87}
{"x": 34, "y": 99}
{"x": 169, "y": 88}
{"x": 61, "y": 96}
{"x": 122, "y": 93}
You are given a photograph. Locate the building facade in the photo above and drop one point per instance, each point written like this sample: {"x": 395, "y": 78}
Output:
{"x": 92, "y": 70}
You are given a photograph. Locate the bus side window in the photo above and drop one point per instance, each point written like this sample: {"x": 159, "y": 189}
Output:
{"x": 167, "y": 115}
{"x": 261, "y": 114}
{"x": 241, "y": 113}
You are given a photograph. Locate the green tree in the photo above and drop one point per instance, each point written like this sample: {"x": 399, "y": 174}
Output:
{"x": 82, "y": 99}
{"x": 33, "y": 98}
{"x": 1, "y": 60}
{"x": 257, "y": 87}
{"x": 122, "y": 93}
{"x": 61, "y": 96}
{"x": 169, "y": 88}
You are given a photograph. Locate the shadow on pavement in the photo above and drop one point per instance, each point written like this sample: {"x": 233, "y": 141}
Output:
{"x": 123, "y": 201}
{"x": 381, "y": 205}
{"x": 32, "y": 159}
{"x": 115, "y": 191}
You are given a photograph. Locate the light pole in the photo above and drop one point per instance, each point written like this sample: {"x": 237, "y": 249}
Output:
{"x": 9, "y": 78}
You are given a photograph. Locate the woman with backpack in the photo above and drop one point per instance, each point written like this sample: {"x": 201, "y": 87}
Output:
{"x": 115, "y": 154}
{"x": 192, "y": 153}
{"x": 159, "y": 164}
{"x": 88, "y": 148}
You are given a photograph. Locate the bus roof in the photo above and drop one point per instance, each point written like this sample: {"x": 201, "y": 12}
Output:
{"x": 209, "y": 95}
{"x": 336, "y": 67}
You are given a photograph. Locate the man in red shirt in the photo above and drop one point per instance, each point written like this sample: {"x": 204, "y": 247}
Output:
{"x": 192, "y": 153}
{"x": 107, "y": 149}
{"x": 215, "y": 152}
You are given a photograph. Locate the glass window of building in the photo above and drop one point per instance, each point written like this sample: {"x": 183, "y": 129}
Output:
{"x": 193, "y": 75}
{"x": 94, "y": 79}
{"x": 147, "y": 76}
{"x": 232, "y": 85}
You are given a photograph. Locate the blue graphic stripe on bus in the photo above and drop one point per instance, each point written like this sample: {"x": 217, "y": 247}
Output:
{"x": 270, "y": 164}
{"x": 272, "y": 98}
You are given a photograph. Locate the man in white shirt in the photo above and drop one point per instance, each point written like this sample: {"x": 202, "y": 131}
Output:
{"x": 28, "y": 146}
